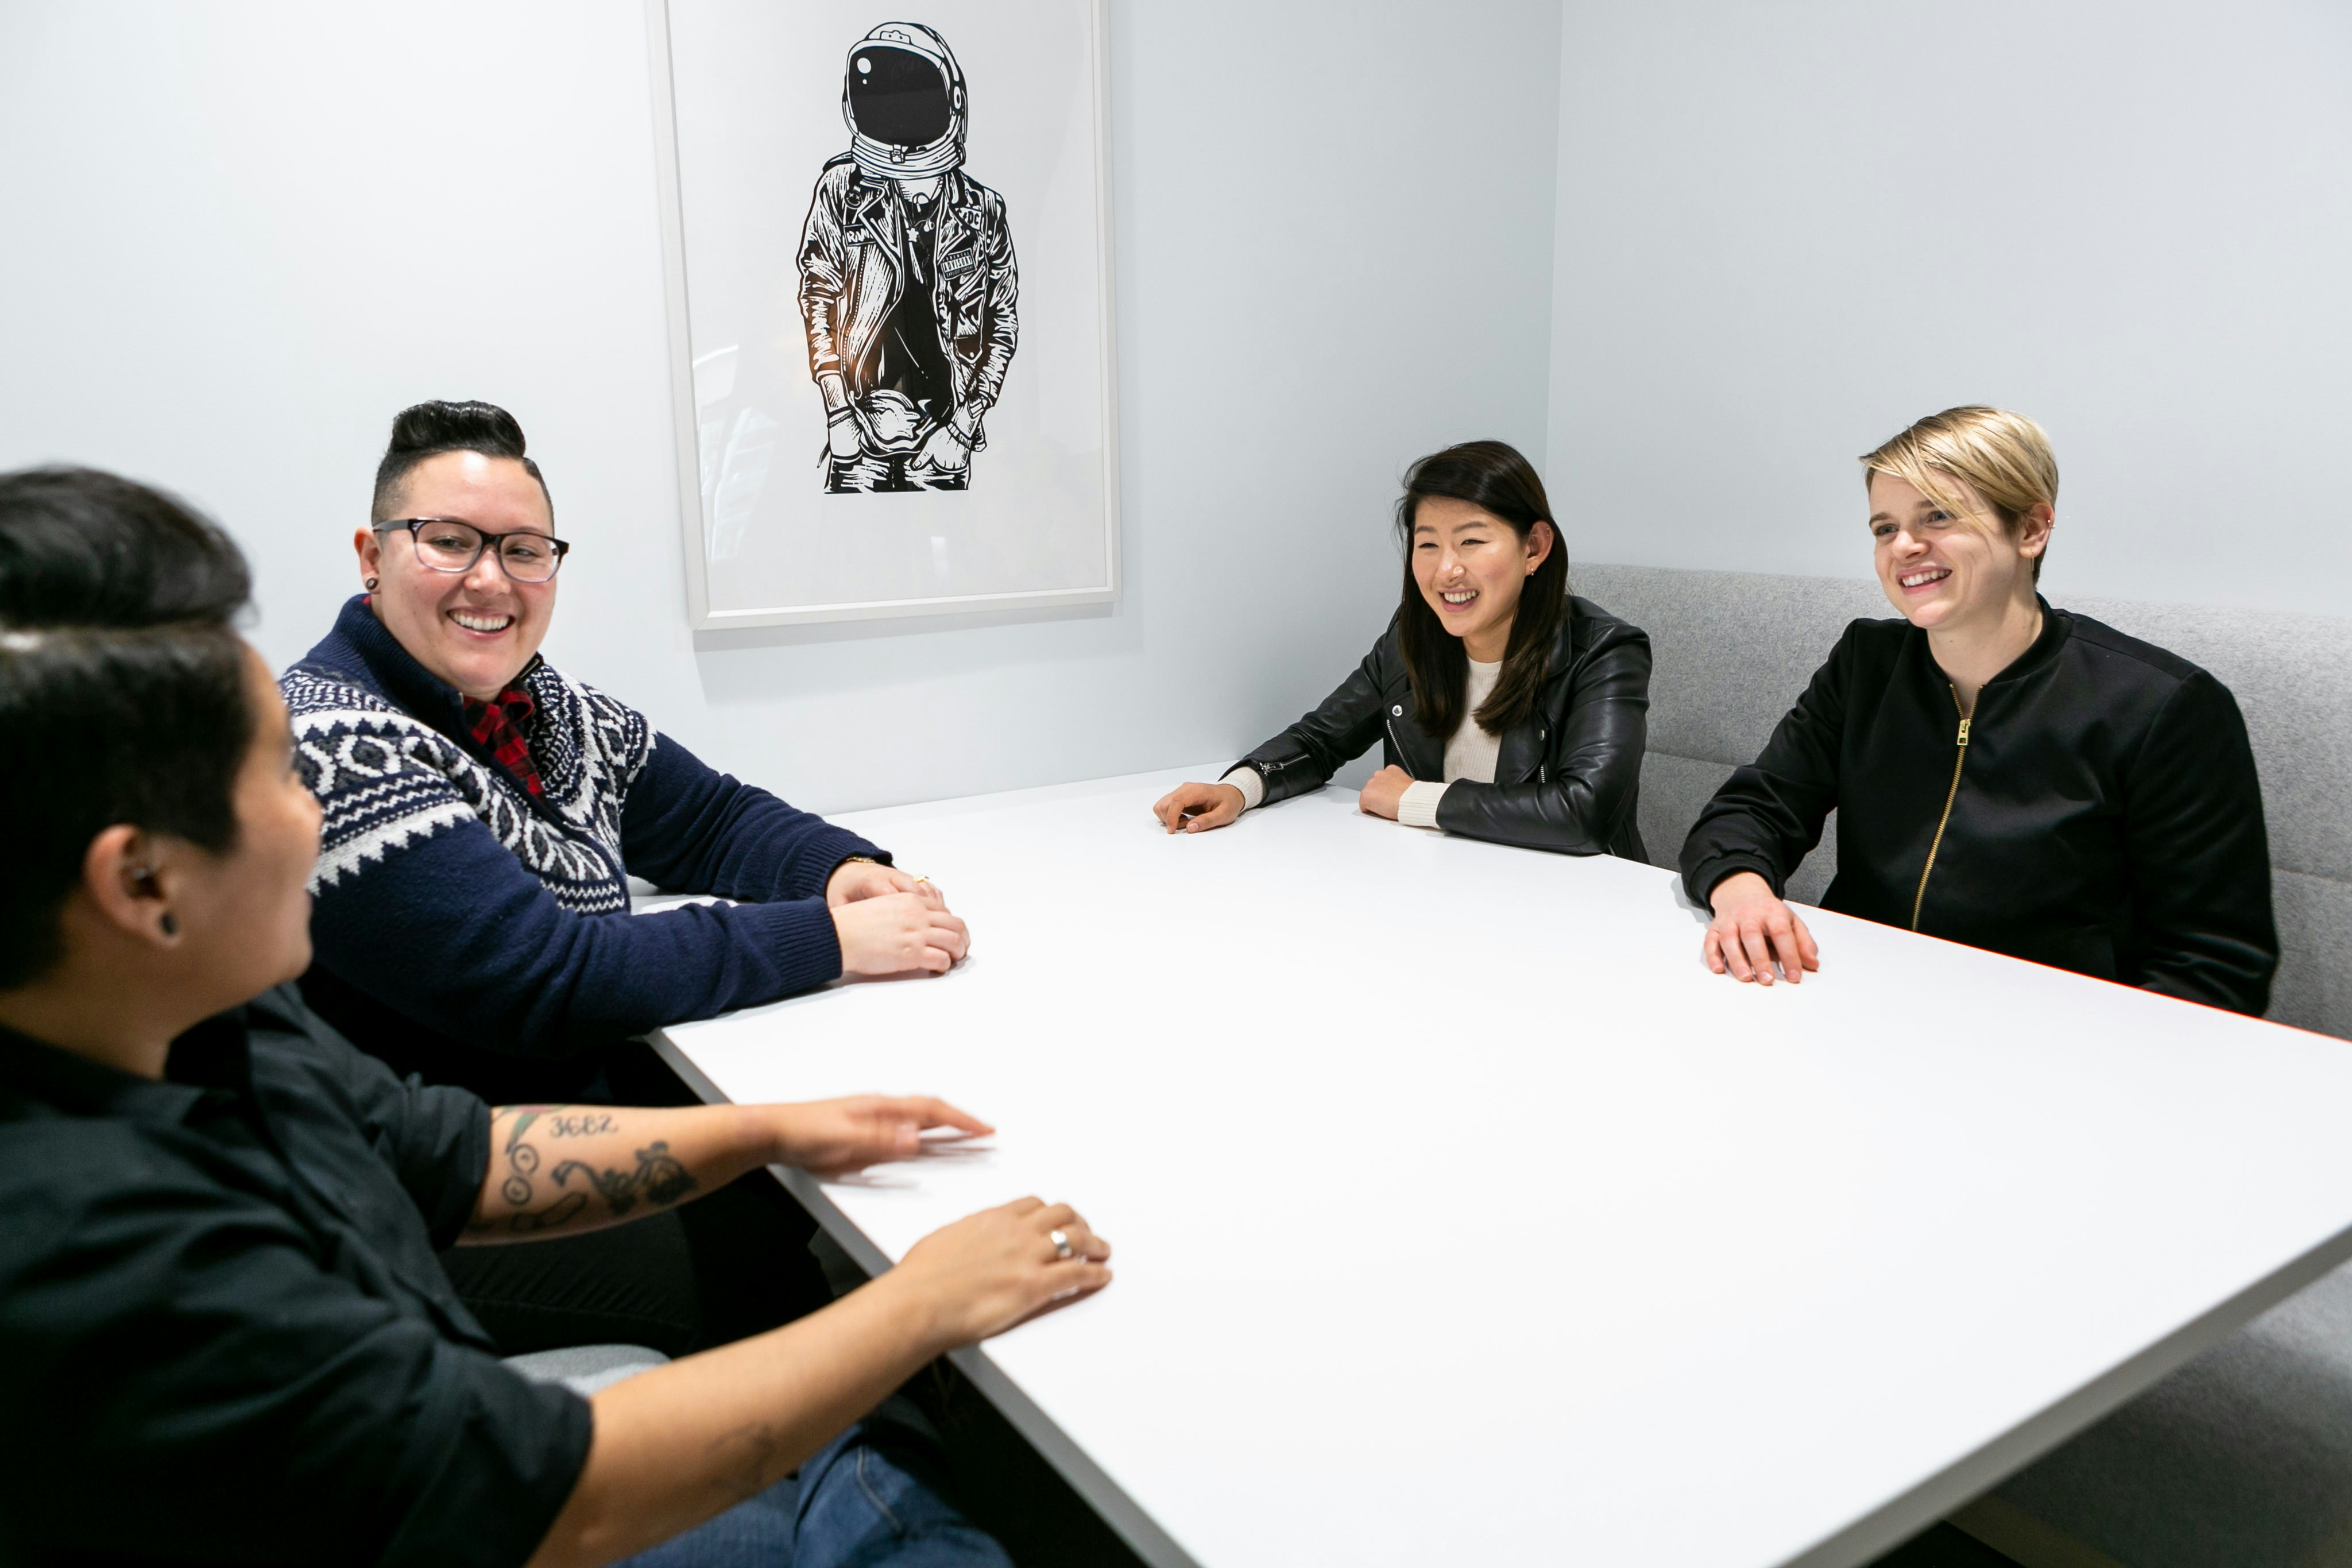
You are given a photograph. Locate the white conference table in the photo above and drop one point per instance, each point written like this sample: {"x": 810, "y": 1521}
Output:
{"x": 1462, "y": 1217}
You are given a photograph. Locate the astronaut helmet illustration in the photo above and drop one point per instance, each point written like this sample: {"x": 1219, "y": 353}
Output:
{"x": 902, "y": 94}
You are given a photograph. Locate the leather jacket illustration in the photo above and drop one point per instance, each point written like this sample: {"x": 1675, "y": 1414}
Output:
{"x": 851, "y": 278}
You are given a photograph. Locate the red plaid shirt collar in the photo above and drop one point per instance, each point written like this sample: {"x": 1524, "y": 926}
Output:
{"x": 498, "y": 725}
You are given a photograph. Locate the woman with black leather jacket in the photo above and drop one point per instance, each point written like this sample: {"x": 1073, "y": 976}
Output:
{"x": 1506, "y": 708}
{"x": 2005, "y": 775}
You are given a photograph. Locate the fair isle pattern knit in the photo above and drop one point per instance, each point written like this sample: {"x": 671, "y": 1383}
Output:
{"x": 386, "y": 780}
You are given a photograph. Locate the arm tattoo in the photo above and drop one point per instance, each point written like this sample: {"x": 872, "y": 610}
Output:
{"x": 660, "y": 1178}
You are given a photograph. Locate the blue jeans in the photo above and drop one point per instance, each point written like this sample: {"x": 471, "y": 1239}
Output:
{"x": 866, "y": 1501}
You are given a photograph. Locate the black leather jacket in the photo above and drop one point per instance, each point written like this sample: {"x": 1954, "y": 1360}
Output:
{"x": 2102, "y": 814}
{"x": 1567, "y": 777}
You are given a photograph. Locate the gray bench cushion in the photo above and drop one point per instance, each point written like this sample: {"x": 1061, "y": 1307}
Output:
{"x": 2241, "y": 1459}
{"x": 1733, "y": 650}
{"x": 586, "y": 1368}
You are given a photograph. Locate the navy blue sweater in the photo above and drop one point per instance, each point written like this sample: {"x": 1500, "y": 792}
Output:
{"x": 478, "y": 934}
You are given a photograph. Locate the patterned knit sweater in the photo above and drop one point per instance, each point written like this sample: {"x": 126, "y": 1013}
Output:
{"x": 469, "y": 930}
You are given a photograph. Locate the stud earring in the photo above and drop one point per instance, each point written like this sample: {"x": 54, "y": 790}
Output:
{"x": 370, "y": 585}
{"x": 171, "y": 927}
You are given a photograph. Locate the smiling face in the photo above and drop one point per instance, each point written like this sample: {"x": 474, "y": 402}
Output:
{"x": 1471, "y": 567}
{"x": 1946, "y": 572}
{"x": 475, "y": 630}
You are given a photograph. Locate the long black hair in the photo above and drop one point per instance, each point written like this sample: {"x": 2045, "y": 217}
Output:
{"x": 428, "y": 429}
{"x": 1492, "y": 477}
{"x": 122, "y": 695}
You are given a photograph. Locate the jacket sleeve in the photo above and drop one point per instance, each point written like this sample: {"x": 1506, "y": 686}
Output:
{"x": 1593, "y": 770}
{"x": 1001, "y": 328}
{"x": 450, "y": 929}
{"x": 824, "y": 266}
{"x": 688, "y": 828}
{"x": 1768, "y": 816}
{"x": 1341, "y": 729}
{"x": 2199, "y": 855}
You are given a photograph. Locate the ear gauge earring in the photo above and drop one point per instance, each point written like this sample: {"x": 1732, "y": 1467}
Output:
{"x": 144, "y": 876}
{"x": 370, "y": 585}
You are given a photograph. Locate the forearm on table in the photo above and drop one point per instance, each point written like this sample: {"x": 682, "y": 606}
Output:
{"x": 689, "y": 828}
{"x": 681, "y": 1443}
{"x": 2227, "y": 964}
{"x": 1562, "y": 816}
{"x": 507, "y": 968}
{"x": 557, "y": 1170}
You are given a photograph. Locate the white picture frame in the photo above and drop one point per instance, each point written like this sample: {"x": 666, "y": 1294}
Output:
{"x": 793, "y": 535}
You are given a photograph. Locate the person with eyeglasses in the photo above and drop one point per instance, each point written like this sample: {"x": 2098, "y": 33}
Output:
{"x": 225, "y": 1335}
{"x": 483, "y": 815}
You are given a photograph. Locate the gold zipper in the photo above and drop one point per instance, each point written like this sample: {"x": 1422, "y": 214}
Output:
{"x": 1941, "y": 823}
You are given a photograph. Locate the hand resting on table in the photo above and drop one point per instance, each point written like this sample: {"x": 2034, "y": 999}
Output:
{"x": 1752, "y": 929}
{"x": 1197, "y": 808}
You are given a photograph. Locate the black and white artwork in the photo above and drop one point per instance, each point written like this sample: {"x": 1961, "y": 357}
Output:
{"x": 909, "y": 286}
{"x": 890, "y": 301}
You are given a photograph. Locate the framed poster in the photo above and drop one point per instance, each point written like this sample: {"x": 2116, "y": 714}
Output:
{"x": 887, "y": 248}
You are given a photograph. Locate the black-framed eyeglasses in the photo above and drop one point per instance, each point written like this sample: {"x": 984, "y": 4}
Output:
{"x": 452, "y": 545}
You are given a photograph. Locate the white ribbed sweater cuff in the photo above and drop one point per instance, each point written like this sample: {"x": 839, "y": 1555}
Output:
{"x": 1419, "y": 807}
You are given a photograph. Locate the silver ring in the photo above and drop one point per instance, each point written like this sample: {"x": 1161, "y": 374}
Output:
{"x": 1061, "y": 1240}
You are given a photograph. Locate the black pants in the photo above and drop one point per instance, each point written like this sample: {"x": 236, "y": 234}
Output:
{"x": 721, "y": 1269}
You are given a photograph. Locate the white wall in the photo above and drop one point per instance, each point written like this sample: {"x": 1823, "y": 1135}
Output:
{"x": 1788, "y": 229}
{"x": 239, "y": 236}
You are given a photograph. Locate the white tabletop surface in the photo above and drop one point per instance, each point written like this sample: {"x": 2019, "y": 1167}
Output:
{"x": 1462, "y": 1217}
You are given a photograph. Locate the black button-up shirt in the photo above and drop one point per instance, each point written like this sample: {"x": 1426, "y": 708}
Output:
{"x": 224, "y": 1334}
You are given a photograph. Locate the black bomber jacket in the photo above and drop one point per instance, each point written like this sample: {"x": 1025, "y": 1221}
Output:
{"x": 1567, "y": 777}
{"x": 2098, "y": 812}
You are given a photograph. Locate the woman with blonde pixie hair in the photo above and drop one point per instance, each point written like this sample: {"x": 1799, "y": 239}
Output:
{"x": 2006, "y": 775}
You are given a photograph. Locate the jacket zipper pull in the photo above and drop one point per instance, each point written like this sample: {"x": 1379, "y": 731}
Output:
{"x": 1960, "y": 760}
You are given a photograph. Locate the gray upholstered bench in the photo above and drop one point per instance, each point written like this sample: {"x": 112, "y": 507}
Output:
{"x": 2243, "y": 1457}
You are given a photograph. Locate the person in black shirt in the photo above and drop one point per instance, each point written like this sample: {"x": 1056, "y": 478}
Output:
{"x": 227, "y": 1337}
{"x": 2007, "y": 775}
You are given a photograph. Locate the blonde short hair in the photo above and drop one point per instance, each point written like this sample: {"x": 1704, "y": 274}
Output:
{"x": 2004, "y": 457}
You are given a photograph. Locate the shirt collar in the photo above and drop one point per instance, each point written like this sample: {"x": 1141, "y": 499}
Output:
{"x": 2056, "y": 627}
{"x": 213, "y": 1055}
{"x": 515, "y": 704}
{"x": 364, "y": 647}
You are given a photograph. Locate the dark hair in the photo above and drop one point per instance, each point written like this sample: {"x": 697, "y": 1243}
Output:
{"x": 428, "y": 429}
{"x": 78, "y": 547}
{"x": 1494, "y": 478}
{"x": 121, "y": 686}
